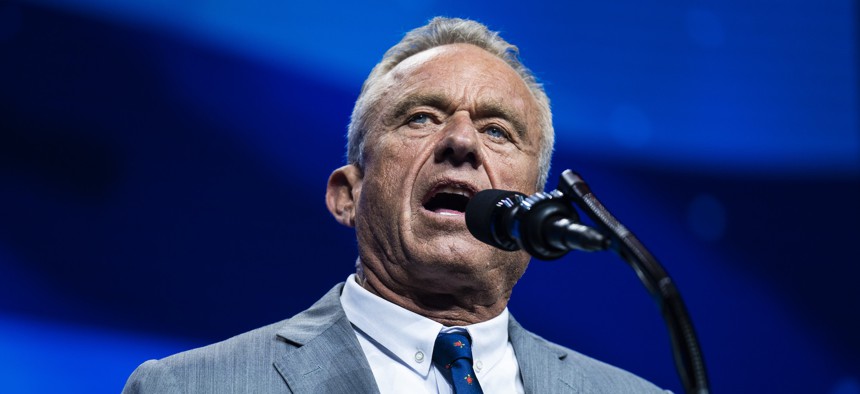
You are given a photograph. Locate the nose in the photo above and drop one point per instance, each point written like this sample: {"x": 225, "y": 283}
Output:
{"x": 459, "y": 144}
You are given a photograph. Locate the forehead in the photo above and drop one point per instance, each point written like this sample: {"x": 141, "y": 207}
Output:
{"x": 464, "y": 73}
{"x": 456, "y": 66}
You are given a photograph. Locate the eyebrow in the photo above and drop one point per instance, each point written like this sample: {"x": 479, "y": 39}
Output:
{"x": 485, "y": 109}
{"x": 434, "y": 100}
{"x": 495, "y": 109}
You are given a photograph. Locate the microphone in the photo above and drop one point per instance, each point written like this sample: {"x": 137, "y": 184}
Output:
{"x": 544, "y": 224}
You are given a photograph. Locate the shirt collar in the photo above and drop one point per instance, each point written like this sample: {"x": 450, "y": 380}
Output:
{"x": 489, "y": 342}
{"x": 404, "y": 333}
{"x": 401, "y": 332}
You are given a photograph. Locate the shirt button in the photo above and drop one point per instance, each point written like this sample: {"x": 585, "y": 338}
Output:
{"x": 419, "y": 356}
{"x": 478, "y": 366}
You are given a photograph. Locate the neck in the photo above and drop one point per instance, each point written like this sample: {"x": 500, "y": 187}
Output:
{"x": 447, "y": 305}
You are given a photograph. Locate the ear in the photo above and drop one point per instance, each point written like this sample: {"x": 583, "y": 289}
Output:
{"x": 342, "y": 192}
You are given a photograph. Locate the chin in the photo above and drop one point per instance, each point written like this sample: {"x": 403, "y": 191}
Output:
{"x": 457, "y": 254}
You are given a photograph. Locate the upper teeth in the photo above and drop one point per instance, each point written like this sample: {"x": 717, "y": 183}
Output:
{"x": 454, "y": 190}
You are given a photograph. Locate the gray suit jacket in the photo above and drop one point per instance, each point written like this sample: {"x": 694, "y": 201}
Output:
{"x": 317, "y": 351}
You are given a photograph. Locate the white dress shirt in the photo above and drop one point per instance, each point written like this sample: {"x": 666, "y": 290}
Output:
{"x": 398, "y": 345}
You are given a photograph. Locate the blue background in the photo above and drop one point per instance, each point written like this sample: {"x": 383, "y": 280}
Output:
{"x": 163, "y": 166}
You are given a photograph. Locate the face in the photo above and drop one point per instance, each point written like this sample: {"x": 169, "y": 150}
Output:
{"x": 452, "y": 121}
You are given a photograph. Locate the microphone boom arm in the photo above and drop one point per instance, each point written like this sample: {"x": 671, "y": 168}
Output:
{"x": 685, "y": 346}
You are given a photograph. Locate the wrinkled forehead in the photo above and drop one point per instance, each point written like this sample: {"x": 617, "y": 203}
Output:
{"x": 465, "y": 74}
{"x": 459, "y": 67}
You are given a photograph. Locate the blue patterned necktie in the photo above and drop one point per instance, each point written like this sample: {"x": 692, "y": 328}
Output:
{"x": 452, "y": 354}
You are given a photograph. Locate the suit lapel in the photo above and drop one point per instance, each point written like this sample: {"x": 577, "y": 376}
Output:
{"x": 324, "y": 356}
{"x": 542, "y": 366}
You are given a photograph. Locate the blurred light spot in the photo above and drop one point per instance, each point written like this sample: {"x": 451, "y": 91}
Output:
{"x": 10, "y": 21}
{"x": 846, "y": 386}
{"x": 707, "y": 217}
{"x": 705, "y": 28}
{"x": 629, "y": 126}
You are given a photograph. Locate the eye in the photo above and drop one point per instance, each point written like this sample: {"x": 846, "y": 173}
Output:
{"x": 419, "y": 118}
{"x": 496, "y": 132}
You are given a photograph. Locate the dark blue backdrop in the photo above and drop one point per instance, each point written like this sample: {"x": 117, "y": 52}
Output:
{"x": 163, "y": 166}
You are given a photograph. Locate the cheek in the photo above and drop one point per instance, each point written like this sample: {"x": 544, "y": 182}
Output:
{"x": 391, "y": 164}
{"x": 387, "y": 169}
{"x": 373, "y": 213}
{"x": 517, "y": 173}
{"x": 390, "y": 145}
{"x": 401, "y": 154}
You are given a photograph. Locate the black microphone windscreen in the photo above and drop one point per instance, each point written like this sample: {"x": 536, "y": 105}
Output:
{"x": 481, "y": 214}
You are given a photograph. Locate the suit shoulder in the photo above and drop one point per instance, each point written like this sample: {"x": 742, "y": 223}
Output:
{"x": 244, "y": 363}
{"x": 253, "y": 348}
{"x": 151, "y": 377}
{"x": 246, "y": 357}
{"x": 596, "y": 376}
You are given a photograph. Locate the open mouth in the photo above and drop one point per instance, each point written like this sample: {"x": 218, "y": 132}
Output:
{"x": 449, "y": 199}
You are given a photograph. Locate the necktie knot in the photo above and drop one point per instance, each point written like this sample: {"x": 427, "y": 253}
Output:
{"x": 452, "y": 347}
{"x": 452, "y": 354}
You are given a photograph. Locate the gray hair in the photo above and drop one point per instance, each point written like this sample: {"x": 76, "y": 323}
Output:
{"x": 443, "y": 31}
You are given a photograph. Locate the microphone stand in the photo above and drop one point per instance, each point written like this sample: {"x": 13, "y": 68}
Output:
{"x": 685, "y": 347}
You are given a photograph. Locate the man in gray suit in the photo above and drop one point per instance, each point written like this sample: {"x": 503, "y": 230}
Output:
{"x": 449, "y": 111}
